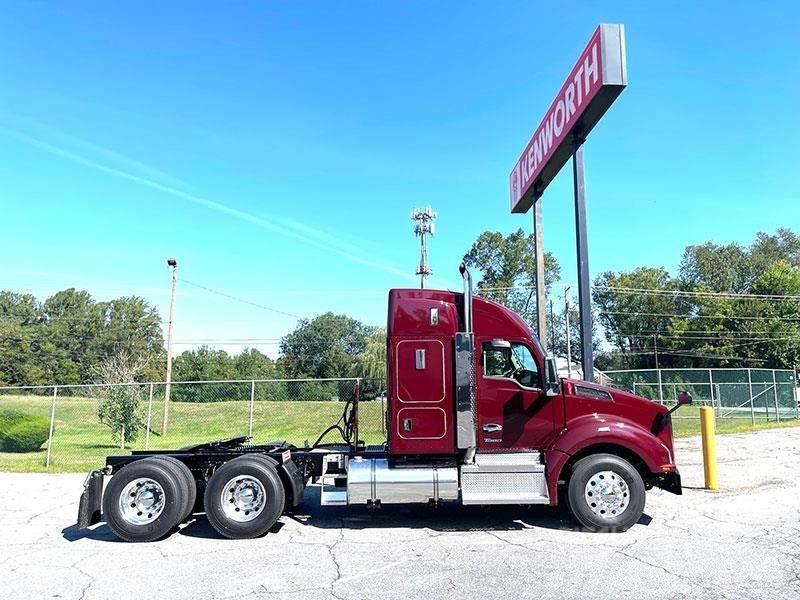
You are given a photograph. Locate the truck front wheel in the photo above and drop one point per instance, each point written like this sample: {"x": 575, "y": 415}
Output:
{"x": 244, "y": 497}
{"x": 605, "y": 493}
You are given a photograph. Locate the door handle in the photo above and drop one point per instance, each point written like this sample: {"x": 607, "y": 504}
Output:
{"x": 492, "y": 428}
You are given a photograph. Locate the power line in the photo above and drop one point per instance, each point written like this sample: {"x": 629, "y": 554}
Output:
{"x": 690, "y": 317}
{"x": 690, "y": 355}
{"x": 732, "y": 295}
{"x": 711, "y": 338}
{"x": 242, "y": 300}
{"x": 709, "y": 332}
{"x": 228, "y": 343}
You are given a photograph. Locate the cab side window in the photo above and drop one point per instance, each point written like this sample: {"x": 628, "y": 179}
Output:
{"x": 496, "y": 362}
{"x": 515, "y": 363}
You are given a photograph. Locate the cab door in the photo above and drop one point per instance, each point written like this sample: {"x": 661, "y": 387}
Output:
{"x": 514, "y": 413}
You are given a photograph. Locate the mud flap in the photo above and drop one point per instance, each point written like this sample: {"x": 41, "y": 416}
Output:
{"x": 89, "y": 506}
{"x": 671, "y": 482}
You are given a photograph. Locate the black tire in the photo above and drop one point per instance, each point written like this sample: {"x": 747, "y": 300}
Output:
{"x": 624, "y": 507}
{"x": 172, "y": 501}
{"x": 260, "y": 468}
{"x": 189, "y": 485}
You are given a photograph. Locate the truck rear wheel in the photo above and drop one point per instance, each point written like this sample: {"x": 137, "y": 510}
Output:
{"x": 605, "y": 493}
{"x": 244, "y": 497}
{"x": 144, "y": 501}
{"x": 189, "y": 484}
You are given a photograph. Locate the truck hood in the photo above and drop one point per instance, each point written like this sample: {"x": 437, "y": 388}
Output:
{"x": 611, "y": 403}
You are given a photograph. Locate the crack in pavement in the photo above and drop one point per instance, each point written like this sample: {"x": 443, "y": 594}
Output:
{"x": 495, "y": 535}
{"x": 48, "y": 511}
{"x": 88, "y": 586}
{"x": 332, "y": 553}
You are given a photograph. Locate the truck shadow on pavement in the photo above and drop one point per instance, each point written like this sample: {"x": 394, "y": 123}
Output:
{"x": 444, "y": 518}
{"x": 197, "y": 526}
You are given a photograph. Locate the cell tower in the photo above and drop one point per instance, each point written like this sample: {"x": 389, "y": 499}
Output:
{"x": 423, "y": 225}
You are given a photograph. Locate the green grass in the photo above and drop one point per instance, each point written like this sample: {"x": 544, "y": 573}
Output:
{"x": 80, "y": 442}
{"x": 686, "y": 422}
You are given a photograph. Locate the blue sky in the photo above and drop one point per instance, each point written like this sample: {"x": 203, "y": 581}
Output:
{"x": 277, "y": 148}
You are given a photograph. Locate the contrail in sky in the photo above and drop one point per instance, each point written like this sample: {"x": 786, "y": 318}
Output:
{"x": 284, "y": 226}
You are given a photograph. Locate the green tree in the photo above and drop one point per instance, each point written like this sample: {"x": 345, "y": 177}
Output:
{"x": 253, "y": 364}
{"x": 74, "y": 325}
{"x": 780, "y": 327}
{"x": 27, "y": 357}
{"x": 507, "y": 271}
{"x": 632, "y": 318}
{"x": 326, "y": 346}
{"x": 131, "y": 324}
{"x": 22, "y": 309}
{"x": 372, "y": 361}
{"x": 203, "y": 364}
{"x": 120, "y": 407}
{"x": 726, "y": 268}
{"x": 783, "y": 245}
{"x": 65, "y": 339}
{"x": 710, "y": 326}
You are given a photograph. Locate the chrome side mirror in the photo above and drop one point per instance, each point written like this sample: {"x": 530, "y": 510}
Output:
{"x": 552, "y": 384}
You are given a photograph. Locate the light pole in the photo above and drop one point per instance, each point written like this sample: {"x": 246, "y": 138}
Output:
{"x": 566, "y": 320}
{"x": 173, "y": 264}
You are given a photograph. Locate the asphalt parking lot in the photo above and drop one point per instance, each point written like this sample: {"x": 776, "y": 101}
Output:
{"x": 740, "y": 542}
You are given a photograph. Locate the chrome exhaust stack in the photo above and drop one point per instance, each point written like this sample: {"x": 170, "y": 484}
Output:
{"x": 465, "y": 275}
{"x": 465, "y": 375}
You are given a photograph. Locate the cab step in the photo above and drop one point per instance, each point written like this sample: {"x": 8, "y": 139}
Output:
{"x": 504, "y": 478}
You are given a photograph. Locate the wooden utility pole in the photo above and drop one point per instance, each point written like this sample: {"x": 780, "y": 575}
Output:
{"x": 566, "y": 321}
{"x": 658, "y": 370}
{"x": 655, "y": 349}
{"x": 172, "y": 263}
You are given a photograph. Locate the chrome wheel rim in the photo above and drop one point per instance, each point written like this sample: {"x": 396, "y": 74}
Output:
{"x": 141, "y": 501}
{"x": 607, "y": 494}
{"x": 243, "y": 498}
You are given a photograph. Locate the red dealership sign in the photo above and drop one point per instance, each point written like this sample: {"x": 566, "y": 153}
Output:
{"x": 593, "y": 84}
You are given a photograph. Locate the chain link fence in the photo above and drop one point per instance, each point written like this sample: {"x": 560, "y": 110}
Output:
{"x": 754, "y": 394}
{"x": 73, "y": 428}
{"x": 80, "y": 425}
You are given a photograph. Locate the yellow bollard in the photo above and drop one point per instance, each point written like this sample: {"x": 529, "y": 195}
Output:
{"x": 709, "y": 446}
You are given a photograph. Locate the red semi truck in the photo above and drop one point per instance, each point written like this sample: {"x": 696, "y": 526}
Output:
{"x": 475, "y": 415}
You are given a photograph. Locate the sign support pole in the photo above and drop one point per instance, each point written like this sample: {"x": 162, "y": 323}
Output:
{"x": 584, "y": 289}
{"x": 538, "y": 260}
